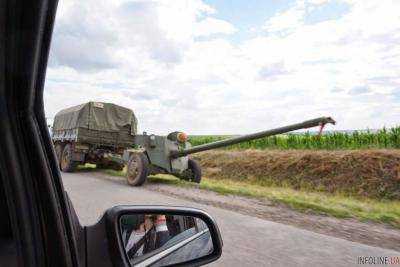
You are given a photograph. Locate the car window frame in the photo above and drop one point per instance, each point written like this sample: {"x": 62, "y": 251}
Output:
{"x": 39, "y": 211}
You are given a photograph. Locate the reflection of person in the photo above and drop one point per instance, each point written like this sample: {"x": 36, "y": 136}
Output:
{"x": 159, "y": 234}
{"x": 151, "y": 234}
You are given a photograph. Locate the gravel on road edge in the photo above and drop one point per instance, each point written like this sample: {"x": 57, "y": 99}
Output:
{"x": 368, "y": 233}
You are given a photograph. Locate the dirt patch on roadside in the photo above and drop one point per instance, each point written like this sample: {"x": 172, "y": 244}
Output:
{"x": 372, "y": 234}
{"x": 364, "y": 173}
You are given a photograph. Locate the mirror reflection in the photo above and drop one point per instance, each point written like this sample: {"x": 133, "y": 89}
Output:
{"x": 164, "y": 239}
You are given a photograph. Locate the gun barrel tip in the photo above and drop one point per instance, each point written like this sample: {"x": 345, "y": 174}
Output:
{"x": 330, "y": 120}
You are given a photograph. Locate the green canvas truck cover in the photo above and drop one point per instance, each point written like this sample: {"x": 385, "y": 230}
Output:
{"x": 97, "y": 124}
{"x": 96, "y": 116}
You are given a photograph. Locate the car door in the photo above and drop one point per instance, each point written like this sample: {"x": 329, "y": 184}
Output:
{"x": 42, "y": 228}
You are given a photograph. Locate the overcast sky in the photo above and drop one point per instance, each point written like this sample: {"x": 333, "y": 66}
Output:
{"x": 229, "y": 67}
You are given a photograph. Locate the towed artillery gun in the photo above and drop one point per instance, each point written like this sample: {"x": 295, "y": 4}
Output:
{"x": 170, "y": 154}
{"x": 105, "y": 134}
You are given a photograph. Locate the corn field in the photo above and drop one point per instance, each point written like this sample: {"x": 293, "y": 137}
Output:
{"x": 384, "y": 138}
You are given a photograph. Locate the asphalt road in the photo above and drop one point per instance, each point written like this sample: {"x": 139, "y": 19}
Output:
{"x": 248, "y": 241}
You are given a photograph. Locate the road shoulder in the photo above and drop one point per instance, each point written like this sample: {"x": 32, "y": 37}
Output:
{"x": 368, "y": 233}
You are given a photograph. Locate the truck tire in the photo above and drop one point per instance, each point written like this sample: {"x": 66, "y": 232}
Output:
{"x": 137, "y": 169}
{"x": 66, "y": 163}
{"x": 195, "y": 171}
{"x": 59, "y": 147}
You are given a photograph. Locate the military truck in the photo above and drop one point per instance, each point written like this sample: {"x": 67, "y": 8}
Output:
{"x": 93, "y": 132}
{"x": 105, "y": 134}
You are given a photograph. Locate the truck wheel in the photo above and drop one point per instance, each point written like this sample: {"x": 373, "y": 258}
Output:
{"x": 138, "y": 169}
{"x": 67, "y": 164}
{"x": 58, "y": 149}
{"x": 195, "y": 171}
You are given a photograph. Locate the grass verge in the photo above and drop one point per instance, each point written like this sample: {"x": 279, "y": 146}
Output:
{"x": 338, "y": 206}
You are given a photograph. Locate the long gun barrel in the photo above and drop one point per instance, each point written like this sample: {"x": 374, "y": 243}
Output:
{"x": 231, "y": 141}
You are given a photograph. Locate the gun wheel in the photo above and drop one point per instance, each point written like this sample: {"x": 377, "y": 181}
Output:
{"x": 194, "y": 171}
{"x": 138, "y": 169}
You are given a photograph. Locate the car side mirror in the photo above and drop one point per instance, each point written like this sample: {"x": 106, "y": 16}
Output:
{"x": 153, "y": 236}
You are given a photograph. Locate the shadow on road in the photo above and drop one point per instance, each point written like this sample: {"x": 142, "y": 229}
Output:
{"x": 86, "y": 169}
{"x": 119, "y": 178}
